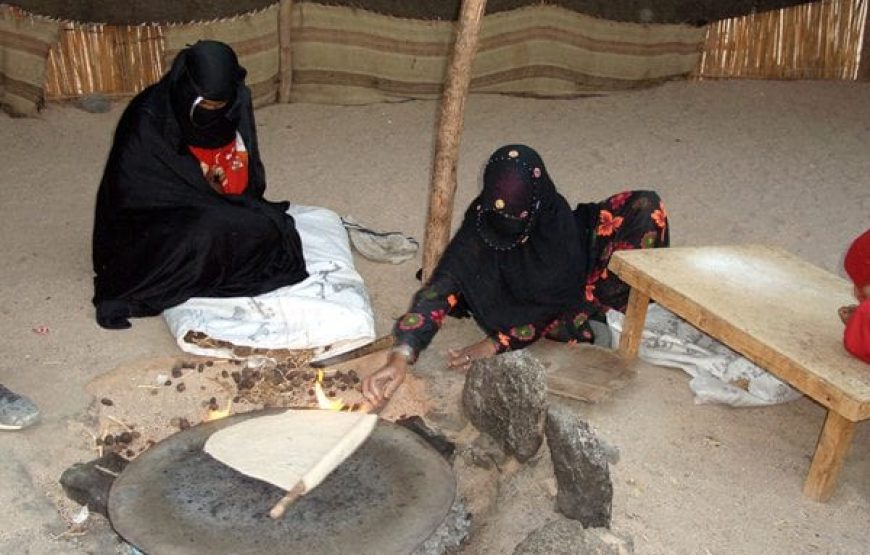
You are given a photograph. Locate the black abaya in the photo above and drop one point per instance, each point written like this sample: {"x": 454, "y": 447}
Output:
{"x": 161, "y": 233}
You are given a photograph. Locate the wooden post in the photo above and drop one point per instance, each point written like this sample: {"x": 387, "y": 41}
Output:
{"x": 443, "y": 185}
{"x": 285, "y": 62}
{"x": 864, "y": 63}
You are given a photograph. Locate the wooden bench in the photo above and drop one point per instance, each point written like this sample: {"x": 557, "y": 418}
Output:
{"x": 775, "y": 309}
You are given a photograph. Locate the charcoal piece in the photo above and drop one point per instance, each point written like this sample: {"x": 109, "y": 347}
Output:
{"x": 176, "y": 372}
{"x": 585, "y": 492}
{"x": 106, "y": 401}
{"x": 433, "y": 437}
{"x": 87, "y": 485}
{"x": 506, "y": 397}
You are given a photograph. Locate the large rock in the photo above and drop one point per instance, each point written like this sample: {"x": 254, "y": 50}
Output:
{"x": 89, "y": 483}
{"x": 506, "y": 397}
{"x": 585, "y": 492}
{"x": 568, "y": 537}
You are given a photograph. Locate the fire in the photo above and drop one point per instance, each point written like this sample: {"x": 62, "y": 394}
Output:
{"x": 218, "y": 414}
{"x": 322, "y": 400}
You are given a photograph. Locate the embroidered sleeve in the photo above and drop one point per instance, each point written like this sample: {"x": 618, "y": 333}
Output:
{"x": 430, "y": 306}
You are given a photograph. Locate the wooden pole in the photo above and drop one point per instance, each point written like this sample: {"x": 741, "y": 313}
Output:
{"x": 443, "y": 184}
{"x": 864, "y": 63}
{"x": 285, "y": 65}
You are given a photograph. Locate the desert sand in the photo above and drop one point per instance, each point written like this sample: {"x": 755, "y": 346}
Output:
{"x": 784, "y": 164}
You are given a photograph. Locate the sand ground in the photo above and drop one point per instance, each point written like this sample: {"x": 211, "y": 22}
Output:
{"x": 736, "y": 162}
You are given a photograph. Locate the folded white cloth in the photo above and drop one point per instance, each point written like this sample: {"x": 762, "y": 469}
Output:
{"x": 331, "y": 308}
{"x": 380, "y": 246}
{"x": 719, "y": 375}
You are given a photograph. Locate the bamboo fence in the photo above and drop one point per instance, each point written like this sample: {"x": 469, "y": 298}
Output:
{"x": 819, "y": 40}
{"x": 116, "y": 60}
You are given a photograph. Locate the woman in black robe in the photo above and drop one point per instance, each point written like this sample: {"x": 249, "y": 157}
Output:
{"x": 525, "y": 266}
{"x": 180, "y": 210}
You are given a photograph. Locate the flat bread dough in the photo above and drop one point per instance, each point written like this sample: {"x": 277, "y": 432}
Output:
{"x": 297, "y": 446}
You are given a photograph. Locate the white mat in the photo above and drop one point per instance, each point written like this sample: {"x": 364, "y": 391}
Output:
{"x": 330, "y": 308}
{"x": 719, "y": 375}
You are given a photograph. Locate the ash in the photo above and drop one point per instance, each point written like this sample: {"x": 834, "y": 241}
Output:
{"x": 450, "y": 533}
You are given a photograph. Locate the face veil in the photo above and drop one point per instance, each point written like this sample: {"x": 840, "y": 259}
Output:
{"x": 208, "y": 70}
{"x": 518, "y": 255}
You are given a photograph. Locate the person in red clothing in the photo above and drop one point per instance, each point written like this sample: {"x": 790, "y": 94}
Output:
{"x": 856, "y": 338}
{"x": 525, "y": 266}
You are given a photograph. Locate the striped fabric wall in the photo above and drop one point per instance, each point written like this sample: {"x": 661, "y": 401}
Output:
{"x": 347, "y": 56}
{"x": 24, "y": 44}
{"x": 253, "y": 36}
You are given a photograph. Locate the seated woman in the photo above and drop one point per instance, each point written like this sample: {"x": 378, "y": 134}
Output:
{"x": 525, "y": 266}
{"x": 180, "y": 209}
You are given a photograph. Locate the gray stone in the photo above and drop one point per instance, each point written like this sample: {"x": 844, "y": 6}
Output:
{"x": 89, "y": 483}
{"x": 506, "y": 397}
{"x": 568, "y": 537}
{"x": 95, "y": 103}
{"x": 585, "y": 492}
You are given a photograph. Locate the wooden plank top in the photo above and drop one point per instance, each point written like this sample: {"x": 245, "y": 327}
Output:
{"x": 774, "y": 308}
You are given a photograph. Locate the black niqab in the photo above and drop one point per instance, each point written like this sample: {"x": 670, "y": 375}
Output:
{"x": 513, "y": 273}
{"x": 161, "y": 233}
{"x": 208, "y": 70}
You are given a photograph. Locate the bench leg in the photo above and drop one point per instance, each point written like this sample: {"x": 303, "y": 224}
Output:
{"x": 830, "y": 453}
{"x": 632, "y": 327}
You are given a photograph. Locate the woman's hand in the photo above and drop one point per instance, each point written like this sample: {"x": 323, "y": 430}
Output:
{"x": 462, "y": 358}
{"x": 377, "y": 388}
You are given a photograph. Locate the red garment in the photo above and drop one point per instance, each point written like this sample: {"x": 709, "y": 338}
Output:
{"x": 856, "y": 339}
{"x": 227, "y": 166}
{"x": 857, "y": 261}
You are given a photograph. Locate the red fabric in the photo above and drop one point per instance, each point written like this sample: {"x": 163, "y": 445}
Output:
{"x": 228, "y": 166}
{"x": 857, "y": 261}
{"x": 856, "y": 339}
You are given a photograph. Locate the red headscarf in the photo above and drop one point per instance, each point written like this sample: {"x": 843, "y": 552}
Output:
{"x": 857, "y": 262}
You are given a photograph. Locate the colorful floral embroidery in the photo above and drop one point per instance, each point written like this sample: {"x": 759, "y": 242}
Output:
{"x": 607, "y": 224}
{"x": 604, "y": 273}
{"x": 649, "y": 240}
{"x": 616, "y": 201}
{"x": 552, "y": 326}
{"x": 660, "y": 216}
{"x": 504, "y": 339}
{"x": 590, "y": 292}
{"x": 430, "y": 294}
{"x": 452, "y": 300}
{"x": 579, "y": 320}
{"x": 587, "y": 335}
{"x": 523, "y": 333}
{"x": 622, "y": 246}
{"x": 411, "y": 321}
{"x": 438, "y": 316}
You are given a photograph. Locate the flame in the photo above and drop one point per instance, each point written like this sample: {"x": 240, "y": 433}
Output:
{"x": 218, "y": 414}
{"x": 322, "y": 400}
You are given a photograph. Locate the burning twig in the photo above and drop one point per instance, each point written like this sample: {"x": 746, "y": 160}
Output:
{"x": 218, "y": 414}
